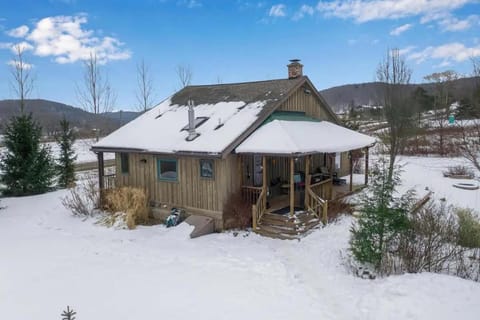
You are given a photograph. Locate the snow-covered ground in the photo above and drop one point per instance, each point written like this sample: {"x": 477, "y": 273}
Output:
{"x": 81, "y": 148}
{"x": 49, "y": 259}
{"x": 426, "y": 174}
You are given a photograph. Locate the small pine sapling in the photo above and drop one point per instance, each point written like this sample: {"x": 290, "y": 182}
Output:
{"x": 68, "y": 314}
{"x": 383, "y": 218}
{"x": 66, "y": 160}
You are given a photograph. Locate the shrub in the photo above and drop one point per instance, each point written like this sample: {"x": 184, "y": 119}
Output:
{"x": 128, "y": 200}
{"x": 431, "y": 243}
{"x": 237, "y": 213}
{"x": 337, "y": 208}
{"x": 459, "y": 171}
{"x": 84, "y": 199}
{"x": 468, "y": 229}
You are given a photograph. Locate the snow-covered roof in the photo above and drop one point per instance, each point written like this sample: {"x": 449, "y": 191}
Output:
{"x": 303, "y": 137}
{"x": 230, "y": 109}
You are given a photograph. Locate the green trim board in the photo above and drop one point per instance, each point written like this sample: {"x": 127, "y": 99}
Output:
{"x": 289, "y": 116}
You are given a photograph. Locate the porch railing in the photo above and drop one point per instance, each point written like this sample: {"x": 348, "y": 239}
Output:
{"x": 109, "y": 181}
{"x": 251, "y": 194}
{"x": 257, "y": 197}
{"x": 323, "y": 189}
{"x": 315, "y": 198}
{"x": 259, "y": 208}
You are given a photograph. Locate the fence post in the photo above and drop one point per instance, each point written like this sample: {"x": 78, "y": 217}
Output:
{"x": 254, "y": 217}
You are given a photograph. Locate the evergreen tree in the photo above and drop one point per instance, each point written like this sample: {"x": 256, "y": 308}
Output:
{"x": 27, "y": 166}
{"x": 383, "y": 218}
{"x": 65, "y": 162}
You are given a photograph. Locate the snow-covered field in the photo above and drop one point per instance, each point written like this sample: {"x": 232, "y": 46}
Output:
{"x": 49, "y": 259}
{"x": 81, "y": 148}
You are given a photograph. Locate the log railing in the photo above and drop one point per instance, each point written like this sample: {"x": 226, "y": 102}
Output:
{"x": 315, "y": 196}
{"x": 251, "y": 194}
{"x": 109, "y": 181}
{"x": 259, "y": 208}
{"x": 257, "y": 197}
{"x": 323, "y": 189}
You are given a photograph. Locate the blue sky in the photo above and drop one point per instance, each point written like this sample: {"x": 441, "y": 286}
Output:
{"x": 339, "y": 42}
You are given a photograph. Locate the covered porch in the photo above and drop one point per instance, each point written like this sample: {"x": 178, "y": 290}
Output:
{"x": 290, "y": 177}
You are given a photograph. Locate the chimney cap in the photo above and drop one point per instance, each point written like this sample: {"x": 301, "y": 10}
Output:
{"x": 294, "y": 60}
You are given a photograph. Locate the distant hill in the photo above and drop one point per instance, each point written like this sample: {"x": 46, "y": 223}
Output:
{"x": 339, "y": 98}
{"x": 49, "y": 113}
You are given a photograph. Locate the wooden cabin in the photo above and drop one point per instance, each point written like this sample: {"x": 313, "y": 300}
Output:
{"x": 277, "y": 142}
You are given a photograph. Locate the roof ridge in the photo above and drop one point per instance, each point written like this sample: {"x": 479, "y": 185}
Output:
{"x": 244, "y": 82}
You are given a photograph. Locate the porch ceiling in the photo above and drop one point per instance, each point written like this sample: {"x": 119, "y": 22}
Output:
{"x": 303, "y": 137}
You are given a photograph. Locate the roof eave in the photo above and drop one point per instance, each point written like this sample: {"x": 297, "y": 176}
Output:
{"x": 144, "y": 151}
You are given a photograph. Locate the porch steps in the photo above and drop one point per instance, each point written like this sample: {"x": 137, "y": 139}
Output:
{"x": 285, "y": 227}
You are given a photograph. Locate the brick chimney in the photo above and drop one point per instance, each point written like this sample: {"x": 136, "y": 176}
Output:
{"x": 295, "y": 69}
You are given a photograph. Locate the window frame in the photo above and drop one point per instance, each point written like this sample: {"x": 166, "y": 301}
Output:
{"x": 124, "y": 163}
{"x": 159, "y": 175}
{"x": 212, "y": 177}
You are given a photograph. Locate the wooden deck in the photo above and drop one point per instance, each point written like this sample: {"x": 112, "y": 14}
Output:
{"x": 284, "y": 226}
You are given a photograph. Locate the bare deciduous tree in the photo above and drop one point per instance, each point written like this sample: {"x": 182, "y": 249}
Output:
{"x": 145, "y": 94}
{"x": 443, "y": 99}
{"x": 22, "y": 79}
{"x": 469, "y": 145}
{"x": 398, "y": 111}
{"x": 185, "y": 74}
{"x": 95, "y": 94}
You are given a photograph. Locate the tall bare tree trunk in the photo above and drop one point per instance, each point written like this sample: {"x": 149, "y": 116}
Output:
{"x": 394, "y": 73}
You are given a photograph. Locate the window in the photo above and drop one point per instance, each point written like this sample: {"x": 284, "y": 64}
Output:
{"x": 206, "y": 168}
{"x": 124, "y": 162}
{"x": 167, "y": 169}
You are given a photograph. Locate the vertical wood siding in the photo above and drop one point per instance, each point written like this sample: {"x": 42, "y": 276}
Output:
{"x": 308, "y": 103}
{"x": 190, "y": 190}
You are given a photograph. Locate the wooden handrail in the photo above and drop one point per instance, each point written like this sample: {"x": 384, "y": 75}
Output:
{"x": 323, "y": 189}
{"x": 259, "y": 208}
{"x": 315, "y": 201}
{"x": 109, "y": 181}
{"x": 251, "y": 194}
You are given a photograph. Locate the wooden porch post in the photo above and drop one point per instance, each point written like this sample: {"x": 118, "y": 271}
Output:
{"x": 264, "y": 179}
{"x": 351, "y": 170}
{"x": 366, "y": 166}
{"x": 101, "y": 174}
{"x": 101, "y": 170}
{"x": 307, "y": 180}
{"x": 292, "y": 187}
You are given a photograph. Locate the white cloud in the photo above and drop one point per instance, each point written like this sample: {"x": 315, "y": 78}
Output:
{"x": 19, "y": 32}
{"x": 303, "y": 11}
{"x": 24, "y": 65}
{"x": 450, "y": 23}
{"x": 406, "y": 50}
{"x": 65, "y": 39}
{"x": 277, "y": 10}
{"x": 368, "y": 10}
{"x": 447, "y": 53}
{"x": 399, "y": 30}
